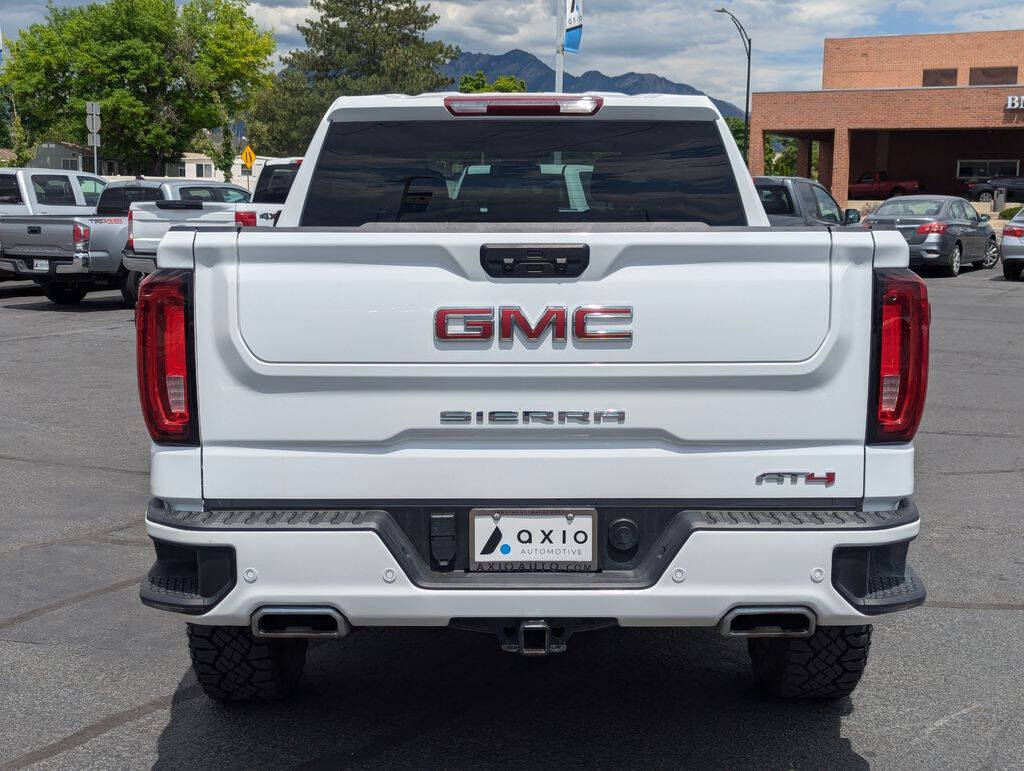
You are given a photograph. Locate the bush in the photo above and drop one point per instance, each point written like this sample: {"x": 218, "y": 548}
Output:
{"x": 1009, "y": 213}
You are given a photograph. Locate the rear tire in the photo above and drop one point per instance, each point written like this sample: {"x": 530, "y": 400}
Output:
{"x": 130, "y": 287}
{"x": 985, "y": 197}
{"x": 952, "y": 268}
{"x": 64, "y": 294}
{"x": 1013, "y": 271}
{"x": 826, "y": 665}
{"x": 233, "y": 665}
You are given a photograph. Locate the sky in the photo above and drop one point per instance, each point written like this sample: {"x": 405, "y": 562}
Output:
{"x": 684, "y": 41}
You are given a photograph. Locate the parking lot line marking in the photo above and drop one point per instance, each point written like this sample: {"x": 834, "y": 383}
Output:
{"x": 28, "y": 615}
{"x": 90, "y": 732}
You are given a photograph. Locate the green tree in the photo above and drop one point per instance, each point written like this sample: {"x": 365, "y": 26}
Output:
{"x": 160, "y": 73}
{"x": 474, "y": 84}
{"x": 738, "y": 133}
{"x": 24, "y": 150}
{"x": 352, "y": 47}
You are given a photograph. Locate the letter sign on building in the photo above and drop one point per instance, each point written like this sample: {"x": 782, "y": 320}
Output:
{"x": 1015, "y": 103}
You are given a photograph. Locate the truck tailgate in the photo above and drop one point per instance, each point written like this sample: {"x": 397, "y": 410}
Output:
{"x": 39, "y": 236}
{"x": 151, "y": 221}
{"x": 748, "y": 356}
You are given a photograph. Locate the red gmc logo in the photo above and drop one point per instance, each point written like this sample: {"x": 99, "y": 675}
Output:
{"x": 589, "y": 322}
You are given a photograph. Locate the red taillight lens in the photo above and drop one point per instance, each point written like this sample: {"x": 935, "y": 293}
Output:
{"x": 521, "y": 104}
{"x": 166, "y": 386}
{"x": 131, "y": 231}
{"x": 932, "y": 227}
{"x": 247, "y": 219}
{"x": 1014, "y": 231}
{"x": 903, "y": 318}
{"x": 80, "y": 235}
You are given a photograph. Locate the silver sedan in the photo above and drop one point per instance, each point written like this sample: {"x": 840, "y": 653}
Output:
{"x": 1013, "y": 248}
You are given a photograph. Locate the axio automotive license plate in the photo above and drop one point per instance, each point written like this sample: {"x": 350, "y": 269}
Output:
{"x": 532, "y": 540}
{"x": 42, "y": 265}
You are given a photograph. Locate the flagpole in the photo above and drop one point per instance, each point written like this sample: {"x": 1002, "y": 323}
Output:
{"x": 559, "y": 45}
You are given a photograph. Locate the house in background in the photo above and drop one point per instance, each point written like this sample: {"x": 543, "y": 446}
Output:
{"x": 72, "y": 157}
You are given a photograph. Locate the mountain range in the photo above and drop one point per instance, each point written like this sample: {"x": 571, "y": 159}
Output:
{"x": 540, "y": 77}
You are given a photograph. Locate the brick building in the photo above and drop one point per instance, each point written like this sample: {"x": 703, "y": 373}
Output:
{"x": 945, "y": 109}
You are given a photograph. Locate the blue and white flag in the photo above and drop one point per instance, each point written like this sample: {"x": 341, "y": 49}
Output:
{"x": 573, "y": 25}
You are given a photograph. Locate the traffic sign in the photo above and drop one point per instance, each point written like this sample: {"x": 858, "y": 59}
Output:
{"x": 92, "y": 122}
{"x": 92, "y": 108}
{"x": 94, "y": 140}
{"x": 248, "y": 157}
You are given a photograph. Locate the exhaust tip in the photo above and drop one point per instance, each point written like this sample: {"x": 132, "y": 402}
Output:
{"x": 768, "y": 622}
{"x": 304, "y": 622}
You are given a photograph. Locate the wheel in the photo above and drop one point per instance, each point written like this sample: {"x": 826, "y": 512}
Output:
{"x": 64, "y": 294}
{"x": 1013, "y": 271}
{"x": 991, "y": 254}
{"x": 896, "y": 192}
{"x": 985, "y": 197}
{"x": 952, "y": 268}
{"x": 233, "y": 665}
{"x": 826, "y": 665}
{"x": 130, "y": 287}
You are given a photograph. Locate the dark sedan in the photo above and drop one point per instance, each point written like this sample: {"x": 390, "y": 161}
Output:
{"x": 941, "y": 230}
{"x": 985, "y": 191}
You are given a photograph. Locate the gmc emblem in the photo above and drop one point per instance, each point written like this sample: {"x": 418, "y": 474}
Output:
{"x": 474, "y": 324}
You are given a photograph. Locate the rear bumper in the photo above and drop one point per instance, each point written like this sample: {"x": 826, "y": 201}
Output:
{"x": 355, "y": 563}
{"x": 56, "y": 267}
{"x": 138, "y": 263}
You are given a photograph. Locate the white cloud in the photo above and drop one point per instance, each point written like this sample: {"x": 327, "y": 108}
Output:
{"x": 685, "y": 42}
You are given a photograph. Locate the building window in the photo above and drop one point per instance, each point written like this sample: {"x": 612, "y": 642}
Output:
{"x": 993, "y": 76}
{"x": 204, "y": 170}
{"x": 110, "y": 168}
{"x": 933, "y": 78}
{"x": 175, "y": 170}
{"x": 69, "y": 164}
{"x": 975, "y": 170}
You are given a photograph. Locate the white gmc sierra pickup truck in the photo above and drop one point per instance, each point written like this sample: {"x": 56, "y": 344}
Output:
{"x": 583, "y": 385}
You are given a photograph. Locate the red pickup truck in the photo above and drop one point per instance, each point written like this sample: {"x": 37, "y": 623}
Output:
{"x": 875, "y": 185}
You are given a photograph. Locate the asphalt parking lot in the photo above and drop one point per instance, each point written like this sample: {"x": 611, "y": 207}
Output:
{"x": 91, "y": 679}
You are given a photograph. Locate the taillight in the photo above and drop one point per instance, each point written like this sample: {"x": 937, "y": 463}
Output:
{"x": 246, "y": 219}
{"x": 163, "y": 341}
{"x": 80, "y": 237}
{"x": 521, "y": 104}
{"x": 932, "y": 227}
{"x": 1014, "y": 231}
{"x": 902, "y": 320}
{"x": 130, "y": 246}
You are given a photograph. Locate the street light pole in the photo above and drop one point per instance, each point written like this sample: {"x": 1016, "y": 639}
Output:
{"x": 748, "y": 47}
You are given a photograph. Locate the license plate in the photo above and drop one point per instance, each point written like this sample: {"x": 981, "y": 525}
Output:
{"x": 532, "y": 540}
{"x": 43, "y": 265}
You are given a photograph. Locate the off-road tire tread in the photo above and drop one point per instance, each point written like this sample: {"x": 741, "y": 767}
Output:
{"x": 233, "y": 665}
{"x": 826, "y": 665}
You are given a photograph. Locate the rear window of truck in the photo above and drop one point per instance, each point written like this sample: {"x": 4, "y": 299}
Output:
{"x": 523, "y": 171}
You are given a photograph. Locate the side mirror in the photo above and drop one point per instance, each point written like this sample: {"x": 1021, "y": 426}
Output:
{"x": 851, "y": 217}
{"x": 985, "y": 218}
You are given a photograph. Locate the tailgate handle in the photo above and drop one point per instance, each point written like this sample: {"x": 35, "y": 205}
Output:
{"x": 534, "y": 260}
{"x": 34, "y": 230}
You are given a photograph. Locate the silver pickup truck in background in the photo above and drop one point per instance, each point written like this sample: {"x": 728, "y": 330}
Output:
{"x": 71, "y": 255}
{"x": 30, "y": 192}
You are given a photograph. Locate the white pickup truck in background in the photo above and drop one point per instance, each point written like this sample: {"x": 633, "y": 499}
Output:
{"x": 149, "y": 221}
{"x": 528, "y": 405}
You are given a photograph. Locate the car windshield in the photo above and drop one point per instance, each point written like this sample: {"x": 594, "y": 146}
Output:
{"x": 523, "y": 171}
{"x": 917, "y": 207}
